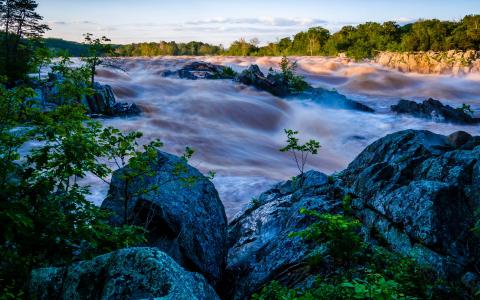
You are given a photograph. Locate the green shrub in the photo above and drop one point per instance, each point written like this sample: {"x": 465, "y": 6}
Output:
{"x": 337, "y": 231}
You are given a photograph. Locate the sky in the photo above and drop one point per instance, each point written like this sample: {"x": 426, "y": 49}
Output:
{"x": 223, "y": 21}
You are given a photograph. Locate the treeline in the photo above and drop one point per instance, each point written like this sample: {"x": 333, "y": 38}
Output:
{"x": 361, "y": 41}
{"x": 168, "y": 48}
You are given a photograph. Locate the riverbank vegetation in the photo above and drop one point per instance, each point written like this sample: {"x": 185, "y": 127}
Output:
{"x": 361, "y": 41}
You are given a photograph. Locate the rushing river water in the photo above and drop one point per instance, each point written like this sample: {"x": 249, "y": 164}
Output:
{"x": 237, "y": 130}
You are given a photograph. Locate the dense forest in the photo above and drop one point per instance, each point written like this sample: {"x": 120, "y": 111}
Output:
{"x": 361, "y": 41}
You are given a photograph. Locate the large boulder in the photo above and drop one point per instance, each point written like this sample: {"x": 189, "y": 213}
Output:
{"x": 260, "y": 249}
{"x": 434, "y": 110}
{"x": 132, "y": 273}
{"x": 202, "y": 70}
{"x": 420, "y": 191}
{"x": 182, "y": 210}
{"x": 415, "y": 192}
{"x": 101, "y": 102}
{"x": 254, "y": 76}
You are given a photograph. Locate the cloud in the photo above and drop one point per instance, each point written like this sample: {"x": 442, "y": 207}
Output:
{"x": 283, "y": 22}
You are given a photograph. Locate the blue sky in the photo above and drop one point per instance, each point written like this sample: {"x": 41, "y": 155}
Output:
{"x": 222, "y": 21}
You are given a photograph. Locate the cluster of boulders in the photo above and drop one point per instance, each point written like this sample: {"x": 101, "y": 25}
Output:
{"x": 455, "y": 62}
{"x": 416, "y": 191}
{"x": 272, "y": 83}
{"x": 201, "y": 70}
{"x": 434, "y": 110}
{"x": 101, "y": 103}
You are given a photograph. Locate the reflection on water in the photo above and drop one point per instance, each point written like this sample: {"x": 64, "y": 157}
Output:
{"x": 237, "y": 130}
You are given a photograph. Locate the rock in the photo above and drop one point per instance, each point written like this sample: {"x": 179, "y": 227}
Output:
{"x": 102, "y": 101}
{"x": 435, "y": 110}
{"x": 126, "y": 109}
{"x": 448, "y": 62}
{"x": 201, "y": 70}
{"x": 132, "y": 273}
{"x": 332, "y": 99}
{"x": 459, "y": 138}
{"x": 260, "y": 249}
{"x": 420, "y": 193}
{"x": 415, "y": 193}
{"x": 254, "y": 76}
{"x": 187, "y": 221}
{"x": 274, "y": 84}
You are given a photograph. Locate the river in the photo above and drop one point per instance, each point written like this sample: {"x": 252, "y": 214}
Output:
{"x": 237, "y": 130}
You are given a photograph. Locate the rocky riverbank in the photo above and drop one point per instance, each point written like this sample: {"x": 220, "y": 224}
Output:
{"x": 413, "y": 192}
{"x": 450, "y": 62}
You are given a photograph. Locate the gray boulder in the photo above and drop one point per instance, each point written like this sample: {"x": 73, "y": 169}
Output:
{"x": 185, "y": 219}
{"x": 420, "y": 192}
{"x": 434, "y": 110}
{"x": 260, "y": 249}
{"x": 132, "y": 273}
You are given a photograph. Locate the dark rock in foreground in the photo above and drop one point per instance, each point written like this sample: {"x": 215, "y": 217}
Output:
{"x": 420, "y": 192}
{"x": 132, "y": 273}
{"x": 201, "y": 70}
{"x": 259, "y": 247}
{"x": 434, "y": 110}
{"x": 186, "y": 219}
{"x": 415, "y": 192}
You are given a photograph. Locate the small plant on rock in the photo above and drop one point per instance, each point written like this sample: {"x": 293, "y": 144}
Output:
{"x": 467, "y": 109}
{"x": 300, "y": 152}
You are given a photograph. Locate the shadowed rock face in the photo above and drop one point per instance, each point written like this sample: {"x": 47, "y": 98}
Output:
{"x": 132, "y": 273}
{"x": 185, "y": 220}
{"x": 416, "y": 191}
{"x": 435, "y": 110}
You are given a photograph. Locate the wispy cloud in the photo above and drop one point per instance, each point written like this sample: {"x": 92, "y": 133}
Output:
{"x": 287, "y": 22}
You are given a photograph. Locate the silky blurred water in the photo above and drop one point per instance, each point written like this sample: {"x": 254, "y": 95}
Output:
{"x": 237, "y": 130}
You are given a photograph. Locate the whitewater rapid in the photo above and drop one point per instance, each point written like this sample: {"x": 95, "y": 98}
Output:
{"x": 237, "y": 130}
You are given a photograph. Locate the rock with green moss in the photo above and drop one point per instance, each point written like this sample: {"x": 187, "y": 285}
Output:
{"x": 132, "y": 273}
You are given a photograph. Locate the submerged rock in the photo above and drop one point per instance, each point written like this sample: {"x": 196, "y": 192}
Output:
{"x": 434, "y": 110}
{"x": 202, "y": 70}
{"x": 332, "y": 99}
{"x": 185, "y": 218}
{"x": 132, "y": 273}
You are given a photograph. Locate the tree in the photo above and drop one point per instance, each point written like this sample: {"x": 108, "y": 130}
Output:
{"x": 300, "y": 152}
{"x": 21, "y": 24}
{"x": 97, "y": 49}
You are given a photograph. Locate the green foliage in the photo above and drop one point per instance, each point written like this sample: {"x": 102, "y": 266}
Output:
{"x": 375, "y": 287}
{"x": 45, "y": 216}
{"x": 168, "y": 48}
{"x": 21, "y": 28}
{"x": 71, "y": 82}
{"x": 255, "y": 203}
{"x": 347, "y": 203}
{"x": 467, "y": 109}
{"x": 337, "y": 231}
{"x": 228, "y": 72}
{"x": 300, "y": 152}
{"x": 97, "y": 47}
{"x": 295, "y": 82}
